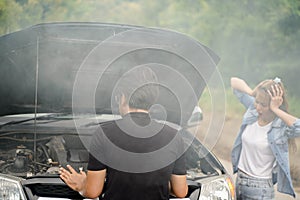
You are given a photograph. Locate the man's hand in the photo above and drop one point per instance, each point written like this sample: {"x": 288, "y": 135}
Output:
{"x": 73, "y": 179}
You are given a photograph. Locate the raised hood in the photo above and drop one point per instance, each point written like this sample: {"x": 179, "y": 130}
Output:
{"x": 74, "y": 68}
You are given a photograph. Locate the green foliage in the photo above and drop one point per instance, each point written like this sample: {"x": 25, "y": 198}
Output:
{"x": 255, "y": 39}
{"x": 294, "y": 105}
{"x": 8, "y": 20}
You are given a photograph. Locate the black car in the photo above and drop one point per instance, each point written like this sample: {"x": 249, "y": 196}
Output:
{"x": 57, "y": 85}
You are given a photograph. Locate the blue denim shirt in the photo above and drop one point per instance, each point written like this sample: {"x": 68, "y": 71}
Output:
{"x": 278, "y": 140}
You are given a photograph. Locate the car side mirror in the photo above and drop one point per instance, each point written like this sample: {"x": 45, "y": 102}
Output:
{"x": 196, "y": 117}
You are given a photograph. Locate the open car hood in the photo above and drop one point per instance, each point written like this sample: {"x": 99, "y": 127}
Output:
{"x": 74, "y": 67}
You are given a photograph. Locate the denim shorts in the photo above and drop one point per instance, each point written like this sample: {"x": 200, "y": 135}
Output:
{"x": 251, "y": 188}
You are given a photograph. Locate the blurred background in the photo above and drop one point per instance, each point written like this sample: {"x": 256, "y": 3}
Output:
{"x": 254, "y": 39}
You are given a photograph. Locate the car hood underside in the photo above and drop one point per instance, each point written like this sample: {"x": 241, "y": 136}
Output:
{"x": 74, "y": 67}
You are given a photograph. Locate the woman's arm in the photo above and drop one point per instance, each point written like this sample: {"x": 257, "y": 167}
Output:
{"x": 286, "y": 117}
{"x": 241, "y": 85}
{"x": 242, "y": 91}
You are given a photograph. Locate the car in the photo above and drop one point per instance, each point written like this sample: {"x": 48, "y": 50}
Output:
{"x": 57, "y": 85}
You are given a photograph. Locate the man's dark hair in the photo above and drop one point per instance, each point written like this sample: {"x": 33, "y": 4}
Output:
{"x": 140, "y": 87}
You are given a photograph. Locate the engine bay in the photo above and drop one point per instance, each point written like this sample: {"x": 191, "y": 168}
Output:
{"x": 21, "y": 157}
{"x": 37, "y": 158}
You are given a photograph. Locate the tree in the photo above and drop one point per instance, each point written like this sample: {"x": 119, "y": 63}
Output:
{"x": 8, "y": 19}
{"x": 255, "y": 39}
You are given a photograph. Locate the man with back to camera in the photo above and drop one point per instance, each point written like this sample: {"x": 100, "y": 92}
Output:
{"x": 134, "y": 157}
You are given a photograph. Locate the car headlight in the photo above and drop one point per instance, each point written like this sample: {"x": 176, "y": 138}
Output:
{"x": 10, "y": 188}
{"x": 220, "y": 188}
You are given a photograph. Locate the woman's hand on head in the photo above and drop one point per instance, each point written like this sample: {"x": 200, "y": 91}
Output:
{"x": 276, "y": 98}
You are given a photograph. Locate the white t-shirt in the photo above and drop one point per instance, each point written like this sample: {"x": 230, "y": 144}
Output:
{"x": 256, "y": 158}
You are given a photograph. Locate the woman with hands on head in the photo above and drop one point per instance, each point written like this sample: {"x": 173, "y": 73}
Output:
{"x": 260, "y": 152}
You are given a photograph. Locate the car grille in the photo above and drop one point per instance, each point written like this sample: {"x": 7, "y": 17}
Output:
{"x": 50, "y": 190}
